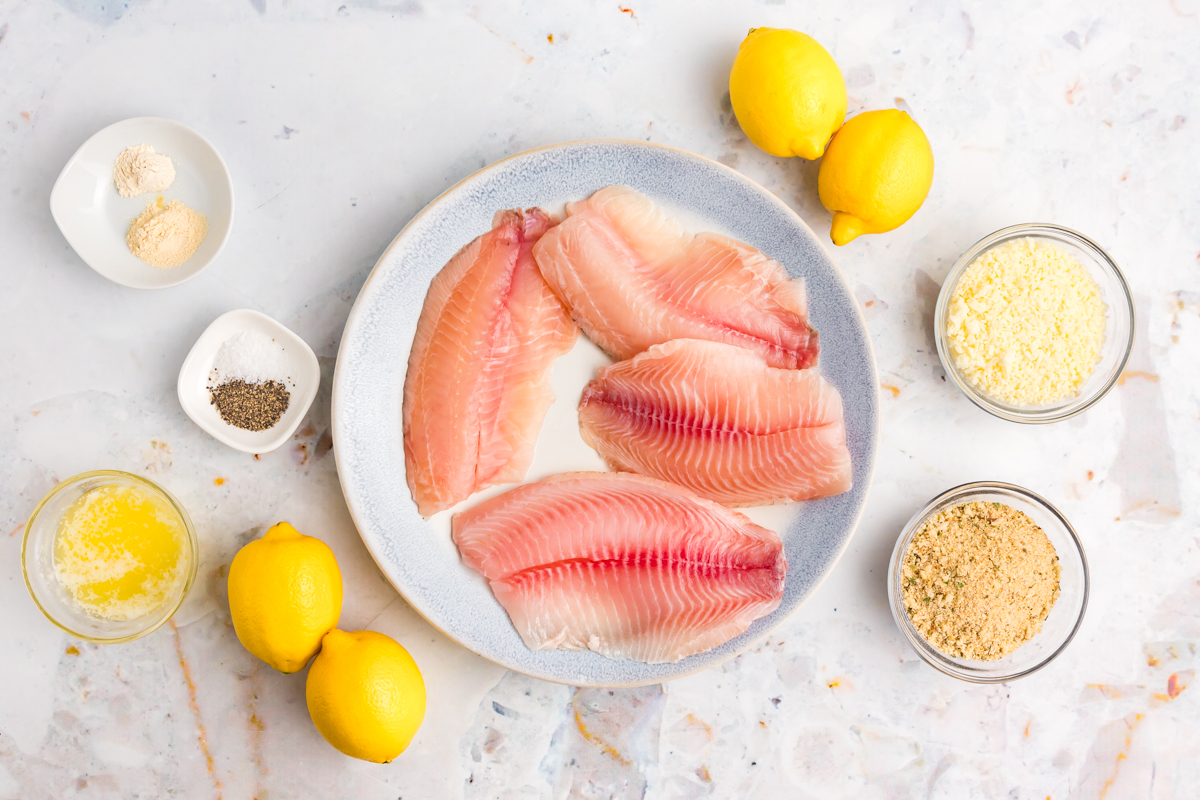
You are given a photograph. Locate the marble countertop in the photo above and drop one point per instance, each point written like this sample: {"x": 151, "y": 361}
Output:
{"x": 338, "y": 123}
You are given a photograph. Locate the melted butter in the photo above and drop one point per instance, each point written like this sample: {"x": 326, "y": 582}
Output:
{"x": 120, "y": 552}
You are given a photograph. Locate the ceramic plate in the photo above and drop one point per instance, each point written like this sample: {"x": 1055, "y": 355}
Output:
{"x": 418, "y": 555}
{"x": 94, "y": 218}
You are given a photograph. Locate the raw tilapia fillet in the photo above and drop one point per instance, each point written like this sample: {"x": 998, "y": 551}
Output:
{"x": 721, "y": 422}
{"x": 621, "y": 564}
{"x": 478, "y": 383}
{"x": 632, "y": 277}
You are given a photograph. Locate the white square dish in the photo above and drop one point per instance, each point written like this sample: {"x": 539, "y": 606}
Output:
{"x": 302, "y": 381}
{"x": 95, "y": 219}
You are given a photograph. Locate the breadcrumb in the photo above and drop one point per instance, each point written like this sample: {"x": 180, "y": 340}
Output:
{"x": 979, "y": 579}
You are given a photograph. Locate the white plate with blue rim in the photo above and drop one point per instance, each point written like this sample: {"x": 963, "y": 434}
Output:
{"x": 94, "y": 218}
{"x": 418, "y": 555}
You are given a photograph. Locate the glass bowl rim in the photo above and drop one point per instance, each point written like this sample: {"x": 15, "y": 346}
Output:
{"x": 193, "y": 547}
{"x": 1030, "y": 229}
{"x": 928, "y": 653}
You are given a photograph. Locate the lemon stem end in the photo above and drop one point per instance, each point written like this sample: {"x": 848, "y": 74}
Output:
{"x": 846, "y": 228}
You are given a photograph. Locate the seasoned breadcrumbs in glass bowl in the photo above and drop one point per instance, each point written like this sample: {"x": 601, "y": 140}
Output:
{"x": 1034, "y": 323}
{"x": 988, "y": 582}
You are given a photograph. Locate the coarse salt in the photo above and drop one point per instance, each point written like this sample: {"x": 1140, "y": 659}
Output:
{"x": 252, "y": 357}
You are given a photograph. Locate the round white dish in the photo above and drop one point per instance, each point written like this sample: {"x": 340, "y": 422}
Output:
{"x": 94, "y": 218}
{"x": 417, "y": 555}
{"x": 302, "y": 382}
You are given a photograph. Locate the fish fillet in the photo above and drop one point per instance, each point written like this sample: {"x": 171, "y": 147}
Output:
{"x": 478, "y": 383}
{"x": 632, "y": 277}
{"x": 721, "y": 422}
{"x": 621, "y": 564}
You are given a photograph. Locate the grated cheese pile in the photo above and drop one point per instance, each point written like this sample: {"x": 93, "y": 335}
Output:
{"x": 1026, "y": 323}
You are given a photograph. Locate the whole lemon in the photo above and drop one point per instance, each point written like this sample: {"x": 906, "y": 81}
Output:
{"x": 365, "y": 695}
{"x": 285, "y": 594}
{"x": 875, "y": 175}
{"x": 787, "y": 92}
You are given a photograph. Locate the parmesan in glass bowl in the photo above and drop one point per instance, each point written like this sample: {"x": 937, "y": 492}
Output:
{"x": 1034, "y": 323}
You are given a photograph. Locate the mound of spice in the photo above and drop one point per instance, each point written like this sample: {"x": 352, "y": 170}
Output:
{"x": 139, "y": 170}
{"x": 167, "y": 234}
{"x": 1026, "y": 323}
{"x": 251, "y": 406}
{"x": 248, "y": 383}
{"x": 979, "y": 580}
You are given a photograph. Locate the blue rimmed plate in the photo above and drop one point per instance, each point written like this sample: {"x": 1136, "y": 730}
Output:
{"x": 417, "y": 555}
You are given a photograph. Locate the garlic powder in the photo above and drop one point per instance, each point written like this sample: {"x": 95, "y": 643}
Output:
{"x": 139, "y": 170}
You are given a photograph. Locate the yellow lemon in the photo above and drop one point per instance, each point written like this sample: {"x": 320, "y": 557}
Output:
{"x": 787, "y": 92}
{"x": 285, "y": 594}
{"x": 365, "y": 695}
{"x": 875, "y": 175}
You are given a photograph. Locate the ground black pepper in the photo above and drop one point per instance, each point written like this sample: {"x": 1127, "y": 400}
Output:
{"x": 250, "y": 406}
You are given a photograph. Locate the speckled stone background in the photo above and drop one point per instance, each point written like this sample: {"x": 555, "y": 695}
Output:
{"x": 341, "y": 121}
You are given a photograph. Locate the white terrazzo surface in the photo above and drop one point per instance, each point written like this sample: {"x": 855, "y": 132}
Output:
{"x": 339, "y": 123}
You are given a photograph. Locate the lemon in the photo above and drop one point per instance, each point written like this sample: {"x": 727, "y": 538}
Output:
{"x": 285, "y": 594}
{"x": 365, "y": 695}
{"x": 787, "y": 92}
{"x": 875, "y": 175}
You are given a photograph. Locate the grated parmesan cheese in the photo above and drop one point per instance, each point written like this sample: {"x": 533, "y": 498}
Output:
{"x": 1026, "y": 323}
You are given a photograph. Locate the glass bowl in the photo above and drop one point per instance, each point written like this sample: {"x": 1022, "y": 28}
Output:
{"x": 1065, "y": 617}
{"x": 37, "y": 562}
{"x": 1118, "y": 334}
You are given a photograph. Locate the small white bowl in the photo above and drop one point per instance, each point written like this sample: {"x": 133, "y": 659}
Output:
{"x": 194, "y": 376}
{"x": 94, "y": 218}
